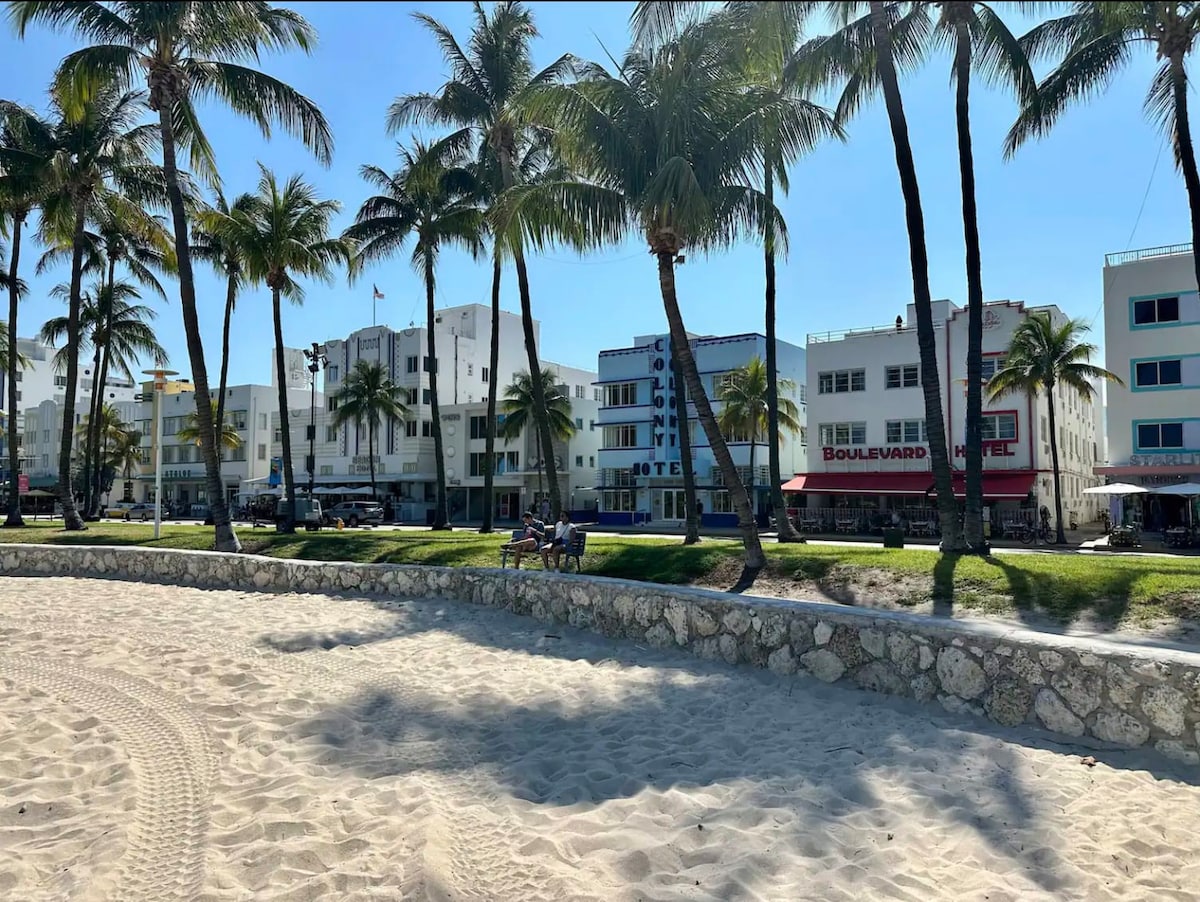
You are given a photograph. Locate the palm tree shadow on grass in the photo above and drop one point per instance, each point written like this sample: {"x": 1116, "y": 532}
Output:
{"x": 943, "y": 585}
{"x": 1050, "y": 604}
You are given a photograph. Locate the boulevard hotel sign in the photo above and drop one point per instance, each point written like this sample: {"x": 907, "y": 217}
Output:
{"x": 912, "y": 452}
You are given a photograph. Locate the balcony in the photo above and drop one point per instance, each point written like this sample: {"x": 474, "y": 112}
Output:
{"x": 842, "y": 334}
{"x": 1147, "y": 253}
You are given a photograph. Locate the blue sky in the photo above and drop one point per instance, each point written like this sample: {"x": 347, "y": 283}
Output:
{"x": 1047, "y": 217}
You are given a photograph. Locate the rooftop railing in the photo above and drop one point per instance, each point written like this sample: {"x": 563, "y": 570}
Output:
{"x": 1147, "y": 253}
{"x": 840, "y": 334}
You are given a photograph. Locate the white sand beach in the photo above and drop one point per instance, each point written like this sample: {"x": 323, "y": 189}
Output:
{"x": 161, "y": 743}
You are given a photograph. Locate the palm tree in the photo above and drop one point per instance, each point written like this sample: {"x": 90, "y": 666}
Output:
{"x": 26, "y": 155}
{"x": 368, "y": 395}
{"x": 432, "y": 199}
{"x": 186, "y": 50}
{"x": 126, "y": 454}
{"x": 671, "y": 144}
{"x": 103, "y": 430}
{"x": 100, "y": 153}
{"x": 521, "y": 407}
{"x": 865, "y": 53}
{"x": 1041, "y": 356}
{"x": 746, "y": 408}
{"x": 480, "y": 100}
{"x": 281, "y": 232}
{"x": 226, "y": 259}
{"x": 1098, "y": 40}
{"x": 228, "y": 437}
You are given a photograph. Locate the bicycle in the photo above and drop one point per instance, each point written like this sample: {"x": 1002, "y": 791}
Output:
{"x": 1029, "y": 534}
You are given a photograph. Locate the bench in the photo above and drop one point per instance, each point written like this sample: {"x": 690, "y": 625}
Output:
{"x": 576, "y": 551}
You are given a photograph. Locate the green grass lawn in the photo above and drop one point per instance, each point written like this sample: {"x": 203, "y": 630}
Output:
{"x": 1116, "y": 590}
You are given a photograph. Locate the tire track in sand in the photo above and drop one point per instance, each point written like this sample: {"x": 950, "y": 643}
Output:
{"x": 173, "y": 767}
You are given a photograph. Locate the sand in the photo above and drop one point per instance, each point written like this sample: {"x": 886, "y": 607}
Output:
{"x": 162, "y": 743}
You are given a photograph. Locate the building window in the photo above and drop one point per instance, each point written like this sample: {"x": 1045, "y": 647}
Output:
{"x": 478, "y": 427}
{"x": 833, "y": 382}
{"x": 412, "y": 396}
{"x": 619, "y": 502}
{"x": 171, "y": 425}
{"x": 721, "y": 502}
{"x": 331, "y": 433}
{"x": 427, "y": 428}
{"x": 333, "y": 403}
{"x": 579, "y": 424}
{"x": 512, "y": 460}
{"x": 905, "y": 376}
{"x": 425, "y": 365}
{"x": 1156, "y": 310}
{"x": 483, "y": 372}
{"x": 277, "y": 436}
{"x": 410, "y": 364}
{"x": 834, "y": 434}
{"x": 579, "y": 392}
{"x": 262, "y": 452}
{"x": 332, "y": 374}
{"x": 238, "y": 453}
{"x": 992, "y": 364}
{"x": 237, "y": 419}
{"x": 46, "y": 436}
{"x": 595, "y": 394}
{"x": 1000, "y": 427}
{"x": 579, "y": 461}
{"x": 476, "y": 464}
{"x": 426, "y": 396}
{"x": 621, "y": 394}
{"x": 326, "y": 470}
{"x": 410, "y": 428}
{"x": 623, "y": 436}
{"x": 722, "y": 381}
{"x": 1160, "y": 435}
{"x": 906, "y": 432}
{"x": 168, "y": 454}
{"x": 591, "y": 462}
{"x": 185, "y": 454}
{"x": 1158, "y": 372}
{"x": 60, "y": 381}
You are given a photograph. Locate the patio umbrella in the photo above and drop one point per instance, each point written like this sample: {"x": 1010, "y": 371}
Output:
{"x": 361, "y": 490}
{"x": 1116, "y": 488}
{"x": 1186, "y": 489}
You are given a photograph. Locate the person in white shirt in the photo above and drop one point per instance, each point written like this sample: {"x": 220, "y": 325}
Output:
{"x": 564, "y": 536}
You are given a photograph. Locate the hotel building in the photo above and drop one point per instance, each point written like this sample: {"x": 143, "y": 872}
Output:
{"x": 869, "y": 448}
{"x": 1152, "y": 341}
{"x": 641, "y": 478}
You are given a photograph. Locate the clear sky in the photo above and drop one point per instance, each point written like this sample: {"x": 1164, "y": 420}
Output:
{"x": 1047, "y": 218}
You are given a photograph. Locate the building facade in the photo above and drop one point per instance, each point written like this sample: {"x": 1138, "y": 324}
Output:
{"x": 1152, "y": 341}
{"x": 869, "y": 449}
{"x": 405, "y": 466}
{"x": 641, "y": 479}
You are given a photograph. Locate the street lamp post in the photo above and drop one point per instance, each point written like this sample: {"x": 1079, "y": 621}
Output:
{"x": 160, "y": 383}
{"x": 317, "y": 361}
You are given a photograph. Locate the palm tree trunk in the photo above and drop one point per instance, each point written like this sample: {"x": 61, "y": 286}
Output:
{"x": 71, "y": 518}
{"x": 489, "y": 470}
{"x": 691, "y": 533}
{"x": 1061, "y": 535}
{"x": 97, "y": 464}
{"x": 785, "y": 532}
{"x": 225, "y": 538}
{"x": 440, "y": 520}
{"x": 1187, "y": 154}
{"x": 99, "y": 377}
{"x": 939, "y": 457}
{"x": 537, "y": 456}
{"x": 687, "y": 365}
{"x": 285, "y": 431}
{"x": 230, "y": 300}
{"x": 14, "y": 367}
{"x": 973, "y": 516}
{"x": 541, "y": 416}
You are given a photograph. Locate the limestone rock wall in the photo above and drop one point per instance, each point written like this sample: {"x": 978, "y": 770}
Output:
{"x": 1074, "y": 686}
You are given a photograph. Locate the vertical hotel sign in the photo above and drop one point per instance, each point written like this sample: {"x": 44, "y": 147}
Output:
{"x": 664, "y": 431}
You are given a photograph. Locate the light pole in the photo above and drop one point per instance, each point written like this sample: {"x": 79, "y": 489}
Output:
{"x": 160, "y": 382}
{"x": 317, "y": 361}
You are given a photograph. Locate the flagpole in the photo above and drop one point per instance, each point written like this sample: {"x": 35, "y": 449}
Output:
{"x": 373, "y": 299}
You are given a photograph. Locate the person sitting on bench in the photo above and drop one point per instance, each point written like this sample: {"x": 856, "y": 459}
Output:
{"x": 532, "y": 536}
{"x": 564, "y": 535}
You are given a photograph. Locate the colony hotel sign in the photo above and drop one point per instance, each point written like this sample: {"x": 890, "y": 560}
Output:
{"x": 912, "y": 452}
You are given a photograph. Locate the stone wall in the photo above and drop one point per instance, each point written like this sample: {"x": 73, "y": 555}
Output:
{"x": 1077, "y": 687}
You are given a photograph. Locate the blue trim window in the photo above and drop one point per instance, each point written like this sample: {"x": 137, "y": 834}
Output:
{"x": 1160, "y": 436}
{"x": 1153, "y": 373}
{"x": 1152, "y": 311}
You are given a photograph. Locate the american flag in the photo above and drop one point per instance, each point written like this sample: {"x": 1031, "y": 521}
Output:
{"x": 378, "y": 295}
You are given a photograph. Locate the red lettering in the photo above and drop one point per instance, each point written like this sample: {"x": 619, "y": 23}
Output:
{"x": 910, "y": 453}
{"x": 922, "y": 452}
{"x": 873, "y": 454}
{"x": 840, "y": 454}
{"x": 827, "y": 453}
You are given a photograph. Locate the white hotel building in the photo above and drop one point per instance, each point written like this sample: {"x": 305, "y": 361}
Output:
{"x": 641, "y": 477}
{"x": 869, "y": 450}
{"x": 1152, "y": 341}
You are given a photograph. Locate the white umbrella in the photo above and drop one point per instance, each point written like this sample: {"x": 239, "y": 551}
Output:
{"x": 326, "y": 490}
{"x": 361, "y": 490}
{"x": 1116, "y": 488}
{"x": 1187, "y": 488}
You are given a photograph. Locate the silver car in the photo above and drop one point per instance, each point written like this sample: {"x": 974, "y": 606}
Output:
{"x": 353, "y": 513}
{"x": 141, "y": 512}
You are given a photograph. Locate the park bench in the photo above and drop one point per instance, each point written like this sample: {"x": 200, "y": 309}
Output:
{"x": 576, "y": 550}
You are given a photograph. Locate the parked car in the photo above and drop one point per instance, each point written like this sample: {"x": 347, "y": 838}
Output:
{"x": 353, "y": 513}
{"x": 141, "y": 512}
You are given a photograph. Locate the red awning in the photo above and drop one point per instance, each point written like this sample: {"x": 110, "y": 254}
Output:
{"x": 996, "y": 486}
